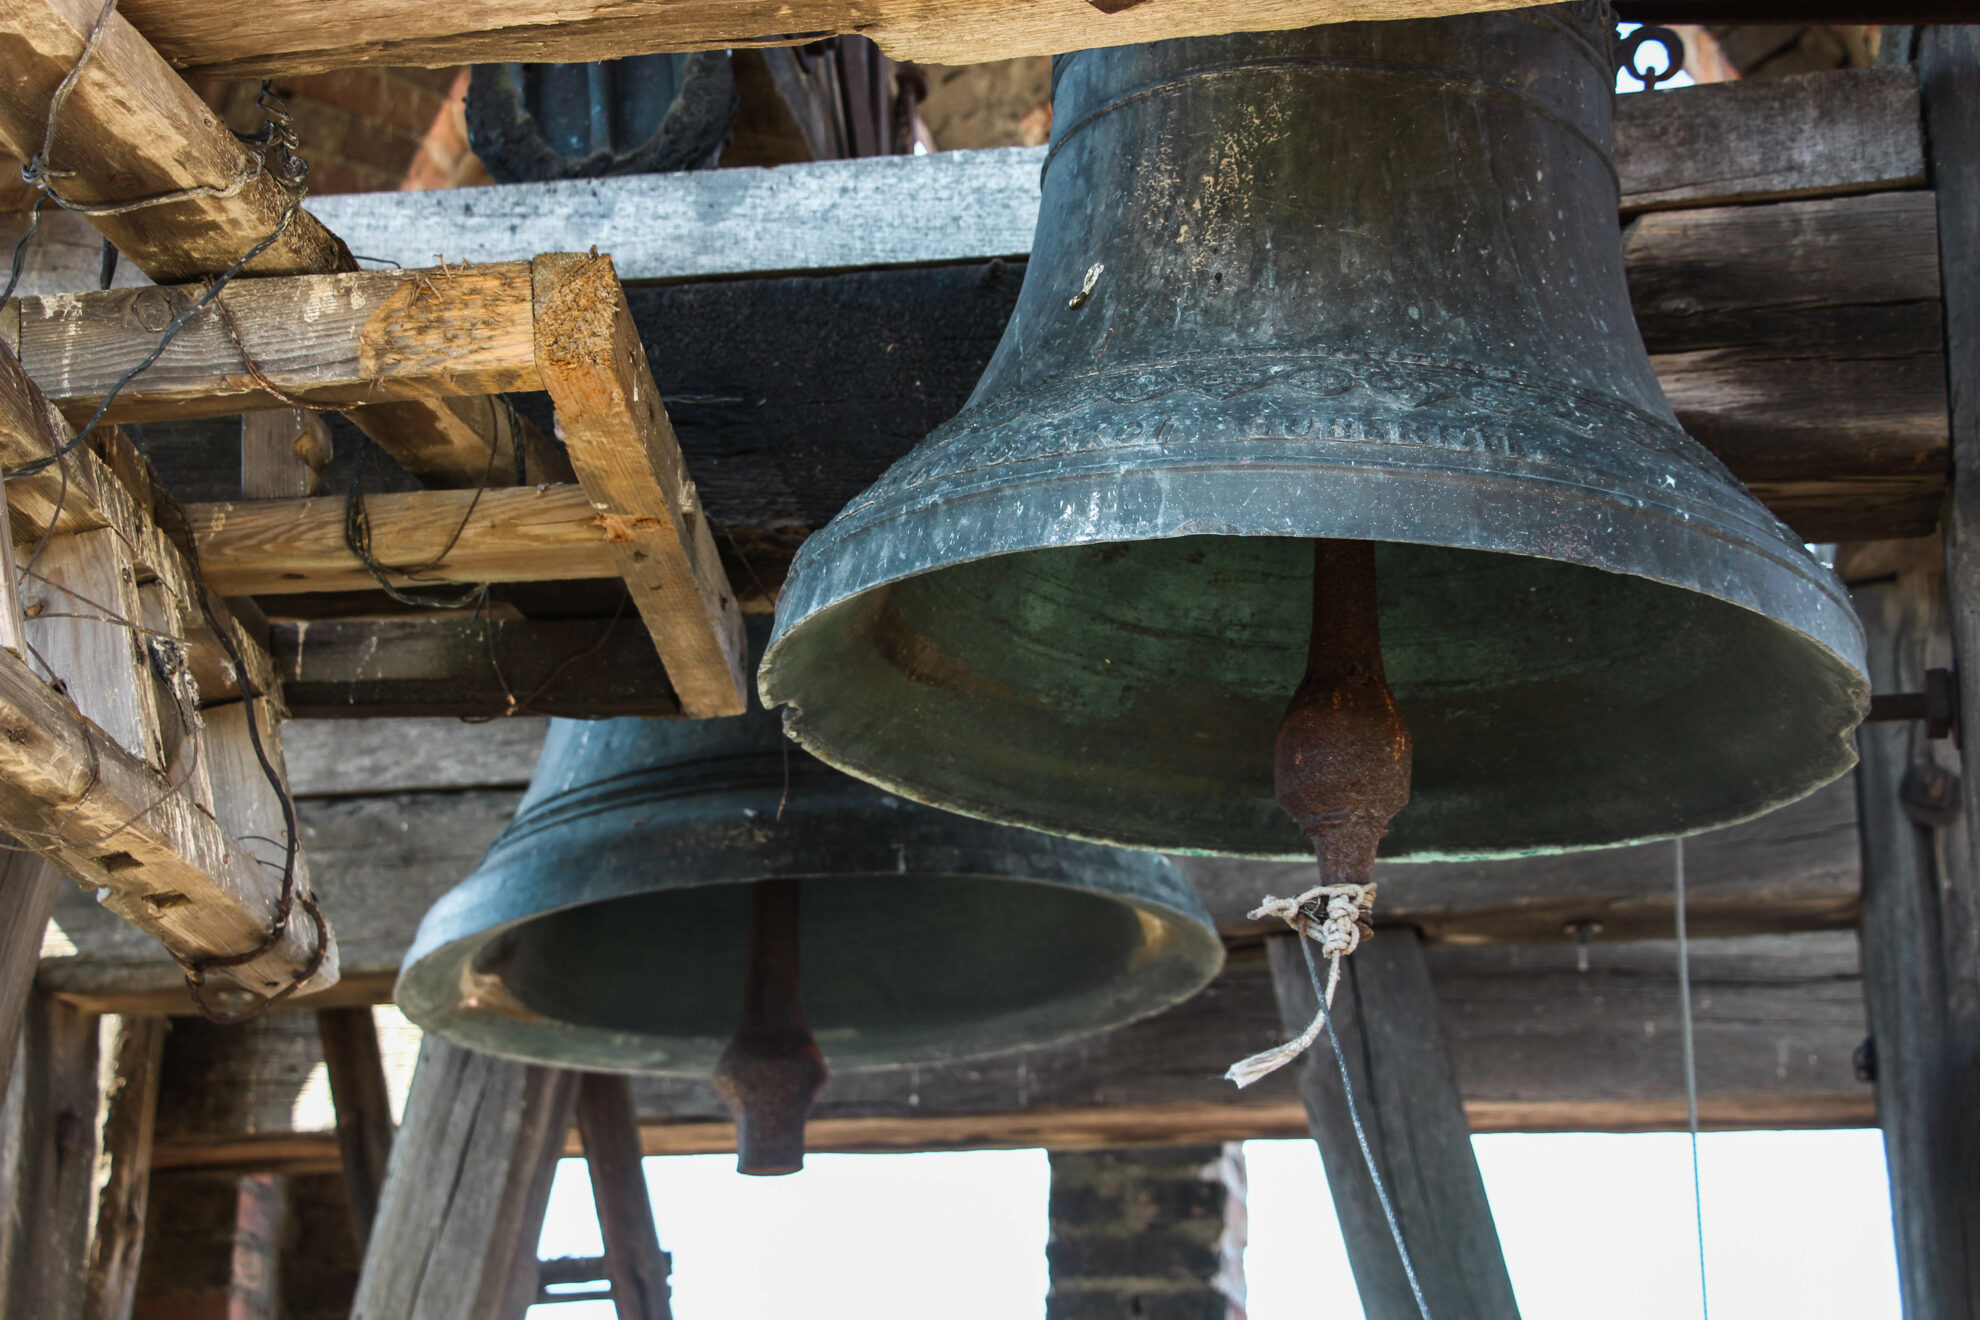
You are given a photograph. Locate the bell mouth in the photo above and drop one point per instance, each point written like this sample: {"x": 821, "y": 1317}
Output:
{"x": 896, "y": 970}
{"x": 1129, "y": 692}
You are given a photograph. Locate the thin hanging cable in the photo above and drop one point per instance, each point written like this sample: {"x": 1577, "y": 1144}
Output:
{"x": 1361, "y": 1133}
{"x": 1690, "y": 1078}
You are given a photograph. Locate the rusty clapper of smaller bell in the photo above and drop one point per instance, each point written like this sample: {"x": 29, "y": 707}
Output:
{"x": 1361, "y": 282}
{"x": 610, "y": 926}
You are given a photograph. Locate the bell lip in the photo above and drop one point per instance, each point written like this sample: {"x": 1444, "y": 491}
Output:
{"x": 473, "y": 913}
{"x": 1755, "y": 560}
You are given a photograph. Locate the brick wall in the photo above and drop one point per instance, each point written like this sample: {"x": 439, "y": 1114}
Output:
{"x": 1147, "y": 1234}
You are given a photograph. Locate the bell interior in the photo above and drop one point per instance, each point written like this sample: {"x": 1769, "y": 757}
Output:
{"x": 1552, "y": 705}
{"x": 893, "y": 970}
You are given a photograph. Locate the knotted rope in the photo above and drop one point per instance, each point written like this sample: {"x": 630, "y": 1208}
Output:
{"x": 1336, "y": 918}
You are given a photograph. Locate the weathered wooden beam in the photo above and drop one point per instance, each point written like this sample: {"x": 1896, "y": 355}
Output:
{"x": 609, "y": 1131}
{"x": 1406, "y": 1091}
{"x": 611, "y": 421}
{"x": 1801, "y": 343}
{"x": 282, "y": 454}
{"x": 515, "y": 534}
{"x": 356, "y": 1068}
{"x": 1819, "y": 134}
{"x": 134, "y": 1055}
{"x": 130, "y": 129}
{"x": 226, "y": 38}
{"x": 1540, "y": 1045}
{"x": 98, "y": 779}
{"x": 463, "y": 1201}
{"x": 354, "y": 337}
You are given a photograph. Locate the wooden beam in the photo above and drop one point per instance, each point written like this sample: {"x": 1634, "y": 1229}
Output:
{"x": 472, "y": 669}
{"x": 634, "y": 1262}
{"x": 611, "y": 421}
{"x": 464, "y": 1199}
{"x": 1817, "y": 134}
{"x": 349, "y": 1037}
{"x": 358, "y": 337}
{"x": 1406, "y": 1087}
{"x": 134, "y": 1054}
{"x": 1801, "y": 343}
{"x": 1539, "y": 1046}
{"x": 131, "y": 129}
{"x": 217, "y": 38}
{"x": 1822, "y": 134}
{"x": 93, "y": 778}
{"x": 516, "y": 534}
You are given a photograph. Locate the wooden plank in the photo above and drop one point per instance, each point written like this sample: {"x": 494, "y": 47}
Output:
{"x": 225, "y": 38}
{"x": 516, "y": 534}
{"x": 1820, "y": 134}
{"x": 634, "y": 1262}
{"x": 1539, "y": 1046}
{"x": 1391, "y": 1031}
{"x": 133, "y": 1057}
{"x": 133, "y": 129}
{"x": 353, "y": 337}
{"x": 342, "y": 758}
{"x": 464, "y": 1199}
{"x": 472, "y": 669}
{"x": 1922, "y": 893}
{"x": 349, "y": 1037}
{"x": 1851, "y": 130}
{"x": 1801, "y": 339}
{"x": 612, "y": 422}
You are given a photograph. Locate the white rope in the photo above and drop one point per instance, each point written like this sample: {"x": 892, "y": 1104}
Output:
{"x": 1338, "y": 928}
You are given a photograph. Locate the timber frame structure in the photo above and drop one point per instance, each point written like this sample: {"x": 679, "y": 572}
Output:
{"x": 612, "y": 409}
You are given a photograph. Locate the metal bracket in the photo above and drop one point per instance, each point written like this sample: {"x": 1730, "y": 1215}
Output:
{"x": 1632, "y": 48}
{"x": 1937, "y": 705}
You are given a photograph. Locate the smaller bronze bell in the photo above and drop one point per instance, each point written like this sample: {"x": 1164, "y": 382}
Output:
{"x": 610, "y": 926}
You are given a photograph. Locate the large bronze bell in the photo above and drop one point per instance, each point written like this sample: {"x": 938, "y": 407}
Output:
{"x": 611, "y": 925}
{"x": 1360, "y": 282}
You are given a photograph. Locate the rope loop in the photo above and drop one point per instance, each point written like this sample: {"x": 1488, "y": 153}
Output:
{"x": 1335, "y": 917}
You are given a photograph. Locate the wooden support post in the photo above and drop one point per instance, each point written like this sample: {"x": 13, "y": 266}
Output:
{"x": 1921, "y": 907}
{"x": 1406, "y": 1088}
{"x": 133, "y": 1057}
{"x": 364, "y": 1108}
{"x": 28, "y": 886}
{"x": 612, "y": 422}
{"x": 49, "y": 1126}
{"x": 634, "y": 1262}
{"x": 455, "y": 1237}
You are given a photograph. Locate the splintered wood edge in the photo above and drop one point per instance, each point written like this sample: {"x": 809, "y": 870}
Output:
{"x": 614, "y": 425}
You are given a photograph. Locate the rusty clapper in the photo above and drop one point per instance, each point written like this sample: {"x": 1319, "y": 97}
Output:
{"x": 697, "y": 897}
{"x": 1358, "y": 283}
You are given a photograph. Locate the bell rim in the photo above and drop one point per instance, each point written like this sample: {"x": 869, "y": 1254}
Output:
{"x": 472, "y": 915}
{"x": 1754, "y": 566}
